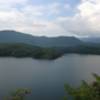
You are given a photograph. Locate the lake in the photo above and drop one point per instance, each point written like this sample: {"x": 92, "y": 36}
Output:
{"x": 46, "y": 78}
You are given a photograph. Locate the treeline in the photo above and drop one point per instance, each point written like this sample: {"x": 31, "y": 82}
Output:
{"x": 84, "y": 49}
{"x": 24, "y": 50}
{"x": 81, "y": 49}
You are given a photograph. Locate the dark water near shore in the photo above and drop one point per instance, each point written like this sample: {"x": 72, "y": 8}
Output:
{"x": 46, "y": 78}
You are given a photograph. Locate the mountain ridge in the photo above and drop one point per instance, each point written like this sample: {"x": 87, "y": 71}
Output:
{"x": 9, "y": 36}
{"x": 91, "y": 39}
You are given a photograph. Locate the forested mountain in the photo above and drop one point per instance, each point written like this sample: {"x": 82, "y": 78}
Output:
{"x": 16, "y": 44}
{"x": 91, "y": 39}
{"x": 17, "y": 37}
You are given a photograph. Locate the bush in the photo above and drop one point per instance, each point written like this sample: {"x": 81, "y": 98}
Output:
{"x": 19, "y": 94}
{"x": 85, "y": 91}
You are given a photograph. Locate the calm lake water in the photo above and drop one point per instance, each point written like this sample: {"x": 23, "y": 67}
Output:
{"x": 46, "y": 78}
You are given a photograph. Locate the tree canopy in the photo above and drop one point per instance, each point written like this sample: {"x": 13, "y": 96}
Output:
{"x": 85, "y": 91}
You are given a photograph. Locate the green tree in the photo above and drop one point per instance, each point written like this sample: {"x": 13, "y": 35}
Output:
{"x": 85, "y": 91}
{"x": 19, "y": 94}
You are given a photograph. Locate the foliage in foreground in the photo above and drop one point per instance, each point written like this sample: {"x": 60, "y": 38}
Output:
{"x": 85, "y": 91}
{"x": 19, "y": 94}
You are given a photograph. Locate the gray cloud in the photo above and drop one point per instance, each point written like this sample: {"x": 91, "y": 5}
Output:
{"x": 38, "y": 19}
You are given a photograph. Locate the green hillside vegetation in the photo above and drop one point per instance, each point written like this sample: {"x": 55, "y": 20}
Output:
{"x": 8, "y": 36}
{"x": 19, "y": 94}
{"x": 91, "y": 49}
{"x": 24, "y": 50}
{"x": 21, "y": 50}
{"x": 85, "y": 91}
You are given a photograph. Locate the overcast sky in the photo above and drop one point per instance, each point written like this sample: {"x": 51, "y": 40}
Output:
{"x": 51, "y": 17}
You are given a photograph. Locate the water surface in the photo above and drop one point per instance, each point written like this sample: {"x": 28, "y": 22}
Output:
{"x": 46, "y": 78}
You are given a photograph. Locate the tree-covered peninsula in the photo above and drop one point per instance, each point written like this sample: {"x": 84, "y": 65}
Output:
{"x": 21, "y": 50}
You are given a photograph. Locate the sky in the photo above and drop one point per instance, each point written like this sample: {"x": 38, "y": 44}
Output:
{"x": 51, "y": 17}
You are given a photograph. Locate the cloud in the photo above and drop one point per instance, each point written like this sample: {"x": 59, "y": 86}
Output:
{"x": 51, "y": 19}
{"x": 30, "y": 10}
{"x": 12, "y": 2}
{"x": 67, "y": 6}
{"x": 85, "y": 22}
{"x": 28, "y": 18}
{"x": 90, "y": 11}
{"x": 42, "y": 10}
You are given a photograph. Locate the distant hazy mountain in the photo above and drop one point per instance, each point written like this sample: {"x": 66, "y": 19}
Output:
{"x": 17, "y": 37}
{"x": 91, "y": 39}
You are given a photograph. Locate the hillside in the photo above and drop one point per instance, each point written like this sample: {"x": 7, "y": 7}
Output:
{"x": 91, "y": 39}
{"x": 21, "y": 50}
{"x": 16, "y": 44}
{"x": 17, "y": 37}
